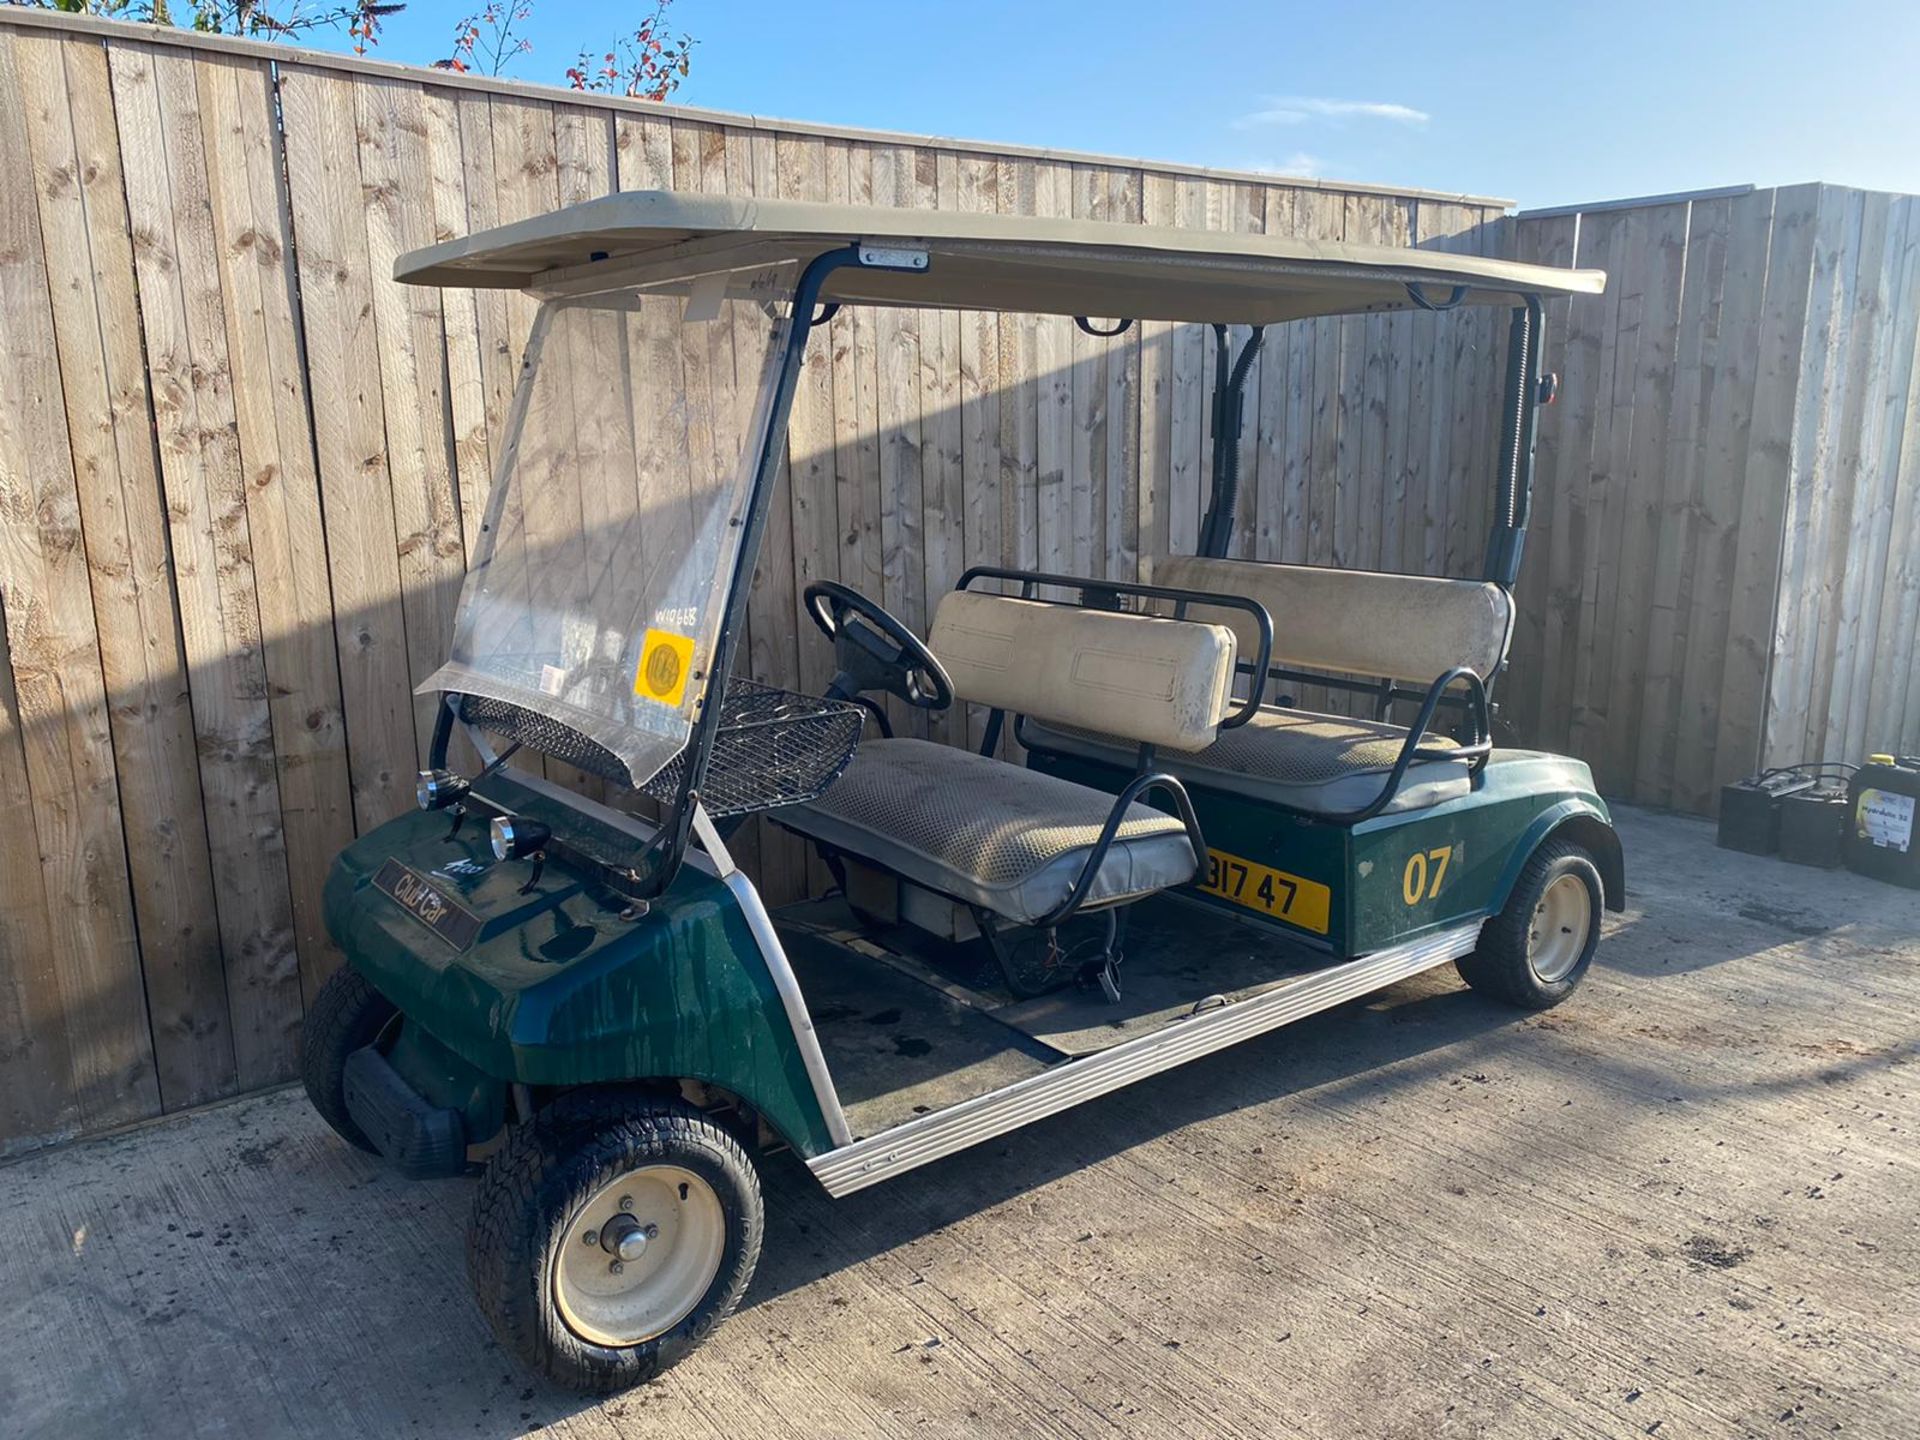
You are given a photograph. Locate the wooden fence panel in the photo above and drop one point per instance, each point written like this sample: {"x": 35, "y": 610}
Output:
{"x": 1843, "y": 639}
{"x": 174, "y": 165}
{"x": 1726, "y": 398}
{"x": 282, "y": 487}
{"x": 83, "y": 219}
{"x": 397, "y": 150}
{"x": 1765, "y": 485}
{"x": 1729, "y": 574}
{"x": 344, "y": 375}
{"x": 39, "y": 1093}
{"x": 242, "y": 472}
{"x": 59, "y": 695}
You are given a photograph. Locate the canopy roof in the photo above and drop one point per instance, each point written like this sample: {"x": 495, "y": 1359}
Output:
{"x": 1017, "y": 263}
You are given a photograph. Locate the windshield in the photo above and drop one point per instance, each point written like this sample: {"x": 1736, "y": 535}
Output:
{"x": 596, "y": 591}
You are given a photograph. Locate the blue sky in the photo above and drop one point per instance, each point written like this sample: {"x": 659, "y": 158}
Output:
{"x": 1542, "y": 103}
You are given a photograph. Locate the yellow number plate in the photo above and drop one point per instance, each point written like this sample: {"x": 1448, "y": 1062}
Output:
{"x": 1298, "y": 901}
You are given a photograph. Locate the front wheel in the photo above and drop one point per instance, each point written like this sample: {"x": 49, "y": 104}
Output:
{"x": 1535, "y": 951}
{"x": 346, "y": 1015}
{"x": 612, "y": 1232}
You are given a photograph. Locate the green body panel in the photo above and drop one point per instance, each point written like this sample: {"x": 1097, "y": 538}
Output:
{"x": 1381, "y": 893}
{"x": 557, "y": 988}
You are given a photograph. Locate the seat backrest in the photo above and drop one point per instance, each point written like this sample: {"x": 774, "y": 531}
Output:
{"x": 1399, "y": 627}
{"x": 1163, "y": 682}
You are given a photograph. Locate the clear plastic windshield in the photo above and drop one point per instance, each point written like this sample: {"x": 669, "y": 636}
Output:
{"x": 597, "y": 590}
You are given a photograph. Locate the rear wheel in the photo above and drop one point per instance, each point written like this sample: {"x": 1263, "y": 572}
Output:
{"x": 347, "y": 1015}
{"x": 611, "y": 1234}
{"x": 1535, "y": 951}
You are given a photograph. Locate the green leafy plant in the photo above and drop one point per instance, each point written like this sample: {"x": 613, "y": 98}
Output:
{"x": 486, "y": 42}
{"x": 647, "y": 65}
{"x": 255, "y": 19}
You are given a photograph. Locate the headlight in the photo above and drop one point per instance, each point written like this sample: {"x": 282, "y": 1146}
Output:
{"x": 437, "y": 789}
{"x": 515, "y": 837}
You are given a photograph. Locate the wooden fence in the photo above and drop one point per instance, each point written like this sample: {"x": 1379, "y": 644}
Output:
{"x": 1724, "y": 567}
{"x": 241, "y": 473}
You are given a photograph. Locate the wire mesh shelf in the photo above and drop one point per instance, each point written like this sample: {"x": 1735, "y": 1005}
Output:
{"x": 544, "y": 736}
{"x": 774, "y": 748}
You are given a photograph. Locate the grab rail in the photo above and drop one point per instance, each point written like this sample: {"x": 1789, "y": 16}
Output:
{"x": 1116, "y": 817}
{"x": 1476, "y": 753}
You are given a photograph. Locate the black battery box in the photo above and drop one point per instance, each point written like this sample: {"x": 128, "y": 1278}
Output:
{"x": 1881, "y": 838}
{"x": 1750, "y": 809}
{"x": 1813, "y": 825}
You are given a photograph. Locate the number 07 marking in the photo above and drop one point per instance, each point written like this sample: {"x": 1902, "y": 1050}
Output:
{"x": 1425, "y": 872}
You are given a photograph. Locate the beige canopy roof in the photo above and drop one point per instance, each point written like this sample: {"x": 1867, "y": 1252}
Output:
{"x": 979, "y": 262}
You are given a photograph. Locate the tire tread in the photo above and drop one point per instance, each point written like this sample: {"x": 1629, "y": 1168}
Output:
{"x": 346, "y": 1015}
{"x": 1498, "y": 965}
{"x": 536, "y": 1171}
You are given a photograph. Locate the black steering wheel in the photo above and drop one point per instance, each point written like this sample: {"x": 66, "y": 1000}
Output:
{"x": 874, "y": 651}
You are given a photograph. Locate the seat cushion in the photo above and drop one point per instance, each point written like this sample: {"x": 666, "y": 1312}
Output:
{"x": 1321, "y": 764}
{"x": 993, "y": 834}
{"x": 1161, "y": 681}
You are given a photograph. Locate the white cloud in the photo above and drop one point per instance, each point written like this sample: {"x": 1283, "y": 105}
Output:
{"x": 1300, "y": 165}
{"x": 1300, "y": 109}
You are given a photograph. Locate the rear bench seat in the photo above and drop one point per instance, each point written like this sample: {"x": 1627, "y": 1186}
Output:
{"x": 1004, "y": 838}
{"x": 1407, "y": 628}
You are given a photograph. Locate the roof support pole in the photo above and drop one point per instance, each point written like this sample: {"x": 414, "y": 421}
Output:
{"x": 1519, "y": 427}
{"x": 1229, "y": 420}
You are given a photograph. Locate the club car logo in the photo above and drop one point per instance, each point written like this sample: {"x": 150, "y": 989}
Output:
{"x": 418, "y": 896}
{"x": 432, "y": 907}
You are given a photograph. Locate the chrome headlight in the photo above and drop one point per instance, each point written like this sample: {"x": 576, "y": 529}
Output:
{"x": 515, "y": 837}
{"x": 437, "y": 789}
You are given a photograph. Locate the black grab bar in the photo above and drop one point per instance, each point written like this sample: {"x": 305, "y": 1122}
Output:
{"x": 1476, "y": 753}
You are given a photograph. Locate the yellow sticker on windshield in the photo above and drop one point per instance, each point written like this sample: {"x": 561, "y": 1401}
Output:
{"x": 666, "y": 660}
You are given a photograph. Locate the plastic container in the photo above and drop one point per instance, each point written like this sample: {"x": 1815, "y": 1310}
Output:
{"x": 1883, "y": 836}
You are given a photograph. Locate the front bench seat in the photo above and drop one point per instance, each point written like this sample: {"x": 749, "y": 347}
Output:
{"x": 978, "y": 829}
{"x": 1006, "y": 839}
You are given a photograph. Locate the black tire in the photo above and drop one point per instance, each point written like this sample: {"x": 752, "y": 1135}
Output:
{"x": 535, "y": 1186}
{"x": 347, "y": 1015}
{"x": 1502, "y": 965}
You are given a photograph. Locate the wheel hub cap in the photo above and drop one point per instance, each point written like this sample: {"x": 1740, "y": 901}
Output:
{"x": 638, "y": 1256}
{"x": 626, "y": 1238}
{"x": 1557, "y": 931}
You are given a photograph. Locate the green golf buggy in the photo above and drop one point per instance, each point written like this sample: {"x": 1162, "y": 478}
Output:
{"x": 558, "y": 978}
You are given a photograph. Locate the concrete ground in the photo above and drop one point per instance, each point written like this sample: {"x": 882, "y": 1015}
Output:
{"x": 1685, "y": 1203}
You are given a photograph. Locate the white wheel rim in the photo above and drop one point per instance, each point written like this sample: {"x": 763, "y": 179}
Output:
{"x": 614, "y": 1301}
{"x": 1557, "y": 933}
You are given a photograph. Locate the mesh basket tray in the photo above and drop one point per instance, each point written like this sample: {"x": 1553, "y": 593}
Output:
{"x": 774, "y": 747}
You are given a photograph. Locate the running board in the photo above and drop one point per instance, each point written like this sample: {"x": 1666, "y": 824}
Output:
{"x": 932, "y": 1137}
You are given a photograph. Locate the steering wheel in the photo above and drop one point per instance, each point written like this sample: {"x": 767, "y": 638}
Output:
{"x": 874, "y": 651}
